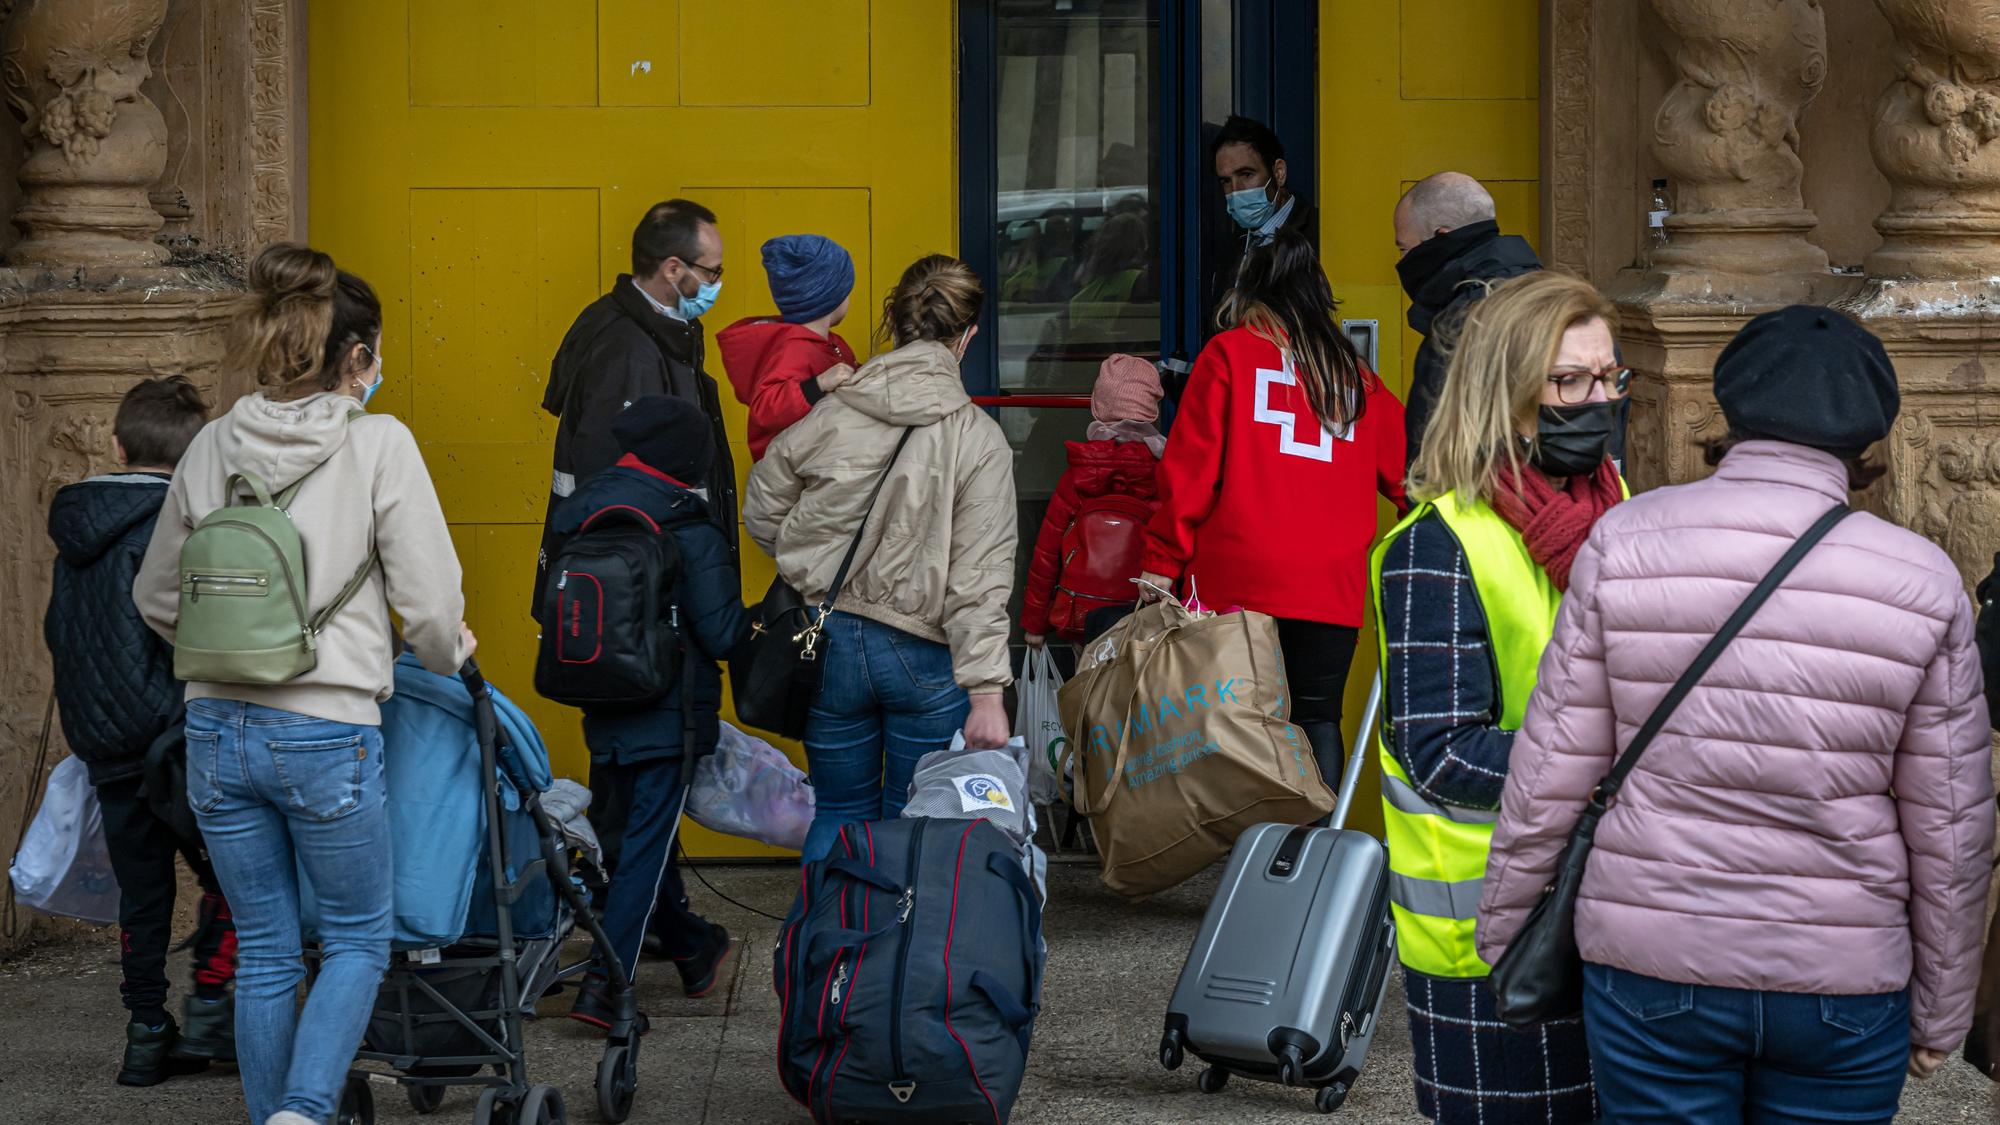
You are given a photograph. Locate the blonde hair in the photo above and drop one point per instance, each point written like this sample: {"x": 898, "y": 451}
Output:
{"x": 1498, "y": 365}
{"x": 302, "y": 316}
{"x": 938, "y": 298}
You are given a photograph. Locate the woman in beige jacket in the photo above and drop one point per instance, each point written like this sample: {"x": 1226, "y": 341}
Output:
{"x": 288, "y": 776}
{"x": 917, "y": 641}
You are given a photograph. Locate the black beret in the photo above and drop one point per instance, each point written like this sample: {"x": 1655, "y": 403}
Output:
{"x": 1809, "y": 375}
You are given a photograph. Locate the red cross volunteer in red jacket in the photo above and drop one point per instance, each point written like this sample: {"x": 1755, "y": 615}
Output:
{"x": 1267, "y": 490}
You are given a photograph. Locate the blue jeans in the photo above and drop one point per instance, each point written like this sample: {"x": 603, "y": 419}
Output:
{"x": 274, "y": 791}
{"x": 1668, "y": 1052}
{"x": 886, "y": 699}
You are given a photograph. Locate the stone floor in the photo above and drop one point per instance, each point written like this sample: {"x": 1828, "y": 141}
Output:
{"x": 709, "y": 1062}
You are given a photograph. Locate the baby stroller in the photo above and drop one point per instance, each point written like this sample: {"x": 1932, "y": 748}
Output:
{"x": 484, "y": 901}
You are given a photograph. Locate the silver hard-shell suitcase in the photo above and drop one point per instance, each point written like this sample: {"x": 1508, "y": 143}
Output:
{"x": 1286, "y": 977}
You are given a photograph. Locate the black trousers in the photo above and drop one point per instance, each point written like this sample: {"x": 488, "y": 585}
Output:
{"x": 1317, "y": 657}
{"x": 612, "y": 786}
{"x": 142, "y": 848}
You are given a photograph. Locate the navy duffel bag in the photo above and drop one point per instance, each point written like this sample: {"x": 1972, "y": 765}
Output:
{"x": 908, "y": 973}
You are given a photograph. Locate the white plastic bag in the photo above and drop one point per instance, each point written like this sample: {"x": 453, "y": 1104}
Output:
{"x": 749, "y": 788}
{"x": 63, "y": 866}
{"x": 1039, "y": 722}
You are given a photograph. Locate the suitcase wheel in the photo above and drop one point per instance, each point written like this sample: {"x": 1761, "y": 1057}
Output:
{"x": 1171, "y": 1056}
{"x": 1212, "y": 1080}
{"x": 1330, "y": 1098}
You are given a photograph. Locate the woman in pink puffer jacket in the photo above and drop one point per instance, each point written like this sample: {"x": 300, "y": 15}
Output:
{"x": 1786, "y": 901}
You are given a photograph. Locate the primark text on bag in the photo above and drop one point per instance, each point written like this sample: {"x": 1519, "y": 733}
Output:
{"x": 1180, "y": 740}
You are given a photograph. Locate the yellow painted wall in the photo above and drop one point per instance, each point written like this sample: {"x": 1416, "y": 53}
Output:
{"x": 483, "y": 163}
{"x": 1407, "y": 88}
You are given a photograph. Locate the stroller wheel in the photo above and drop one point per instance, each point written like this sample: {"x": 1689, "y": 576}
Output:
{"x": 493, "y": 1108}
{"x": 543, "y": 1106}
{"x": 357, "y": 1104}
{"x": 617, "y": 1081}
{"x": 425, "y": 1099}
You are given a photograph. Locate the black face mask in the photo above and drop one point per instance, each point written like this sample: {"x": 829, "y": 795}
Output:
{"x": 1571, "y": 441}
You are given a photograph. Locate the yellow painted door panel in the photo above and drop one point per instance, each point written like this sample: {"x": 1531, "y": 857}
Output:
{"x": 483, "y": 162}
{"x": 1408, "y": 88}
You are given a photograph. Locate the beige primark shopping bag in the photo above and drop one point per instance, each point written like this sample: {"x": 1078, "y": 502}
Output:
{"x": 1179, "y": 740}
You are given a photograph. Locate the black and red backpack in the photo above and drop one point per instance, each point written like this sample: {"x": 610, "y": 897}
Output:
{"x": 610, "y": 614}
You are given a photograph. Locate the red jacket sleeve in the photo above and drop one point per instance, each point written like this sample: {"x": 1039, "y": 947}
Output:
{"x": 1046, "y": 565}
{"x": 778, "y": 397}
{"x": 1384, "y": 419}
{"x": 1190, "y": 474}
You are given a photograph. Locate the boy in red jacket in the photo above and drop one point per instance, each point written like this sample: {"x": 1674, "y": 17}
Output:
{"x": 781, "y": 365}
{"x": 1118, "y": 460}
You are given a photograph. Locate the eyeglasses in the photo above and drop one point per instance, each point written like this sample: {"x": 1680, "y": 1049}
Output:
{"x": 713, "y": 273}
{"x": 1573, "y": 384}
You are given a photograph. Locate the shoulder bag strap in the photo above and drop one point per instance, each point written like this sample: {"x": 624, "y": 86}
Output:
{"x": 847, "y": 562}
{"x": 1613, "y": 781}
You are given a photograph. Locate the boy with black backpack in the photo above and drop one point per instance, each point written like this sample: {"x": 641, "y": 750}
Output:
{"x": 116, "y": 692}
{"x": 641, "y": 600}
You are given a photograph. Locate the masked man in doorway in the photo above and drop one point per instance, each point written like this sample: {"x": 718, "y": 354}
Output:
{"x": 1450, "y": 242}
{"x": 1249, "y": 163}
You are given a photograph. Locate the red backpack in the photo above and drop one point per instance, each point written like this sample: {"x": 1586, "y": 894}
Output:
{"x": 1100, "y": 558}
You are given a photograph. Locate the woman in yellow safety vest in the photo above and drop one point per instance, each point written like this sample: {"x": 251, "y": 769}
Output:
{"x": 1513, "y": 472}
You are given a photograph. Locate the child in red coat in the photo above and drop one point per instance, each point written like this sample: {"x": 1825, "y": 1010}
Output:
{"x": 781, "y": 365}
{"x": 1110, "y": 481}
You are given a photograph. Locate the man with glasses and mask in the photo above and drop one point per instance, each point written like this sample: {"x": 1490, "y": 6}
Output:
{"x": 1250, "y": 166}
{"x": 643, "y": 338}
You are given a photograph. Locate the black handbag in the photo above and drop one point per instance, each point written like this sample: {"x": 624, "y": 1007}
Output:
{"x": 775, "y": 675}
{"x": 1540, "y": 976}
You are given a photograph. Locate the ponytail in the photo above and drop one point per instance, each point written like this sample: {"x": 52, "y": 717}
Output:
{"x": 301, "y": 318}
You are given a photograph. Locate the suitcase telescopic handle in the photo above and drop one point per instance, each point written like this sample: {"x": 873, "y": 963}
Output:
{"x": 1364, "y": 740}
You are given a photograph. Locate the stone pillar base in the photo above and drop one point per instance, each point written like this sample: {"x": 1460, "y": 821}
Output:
{"x": 71, "y": 343}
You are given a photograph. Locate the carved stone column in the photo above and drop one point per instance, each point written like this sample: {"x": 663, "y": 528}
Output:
{"x": 1934, "y": 135}
{"x": 72, "y": 71}
{"x": 1727, "y": 134}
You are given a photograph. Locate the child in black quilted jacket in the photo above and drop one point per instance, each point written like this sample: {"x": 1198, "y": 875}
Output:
{"x": 116, "y": 693}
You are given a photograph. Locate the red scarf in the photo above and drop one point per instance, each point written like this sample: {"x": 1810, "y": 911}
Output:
{"x": 1554, "y": 522}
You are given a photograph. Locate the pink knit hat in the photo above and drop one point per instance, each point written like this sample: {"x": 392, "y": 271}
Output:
{"x": 1128, "y": 390}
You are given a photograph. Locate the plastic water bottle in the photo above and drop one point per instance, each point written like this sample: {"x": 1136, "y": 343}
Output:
{"x": 1656, "y": 220}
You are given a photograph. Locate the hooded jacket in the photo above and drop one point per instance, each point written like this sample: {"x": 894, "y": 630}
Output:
{"x": 619, "y": 350}
{"x": 708, "y": 592}
{"x": 937, "y": 558}
{"x": 114, "y": 679}
{"x": 1817, "y": 815}
{"x": 365, "y": 485}
{"x": 775, "y": 367}
{"x": 1096, "y": 469}
{"x": 1441, "y": 277}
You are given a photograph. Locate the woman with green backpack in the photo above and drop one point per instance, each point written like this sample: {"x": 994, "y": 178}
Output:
{"x": 294, "y": 525}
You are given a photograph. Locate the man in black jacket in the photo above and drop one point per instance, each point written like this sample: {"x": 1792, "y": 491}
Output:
{"x": 117, "y": 696}
{"x": 1250, "y": 167}
{"x": 642, "y": 338}
{"x": 1451, "y": 243}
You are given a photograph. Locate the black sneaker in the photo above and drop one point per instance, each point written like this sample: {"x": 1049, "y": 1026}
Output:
{"x": 700, "y": 972}
{"x": 593, "y": 1006}
{"x": 208, "y": 1030}
{"x": 147, "y": 1050}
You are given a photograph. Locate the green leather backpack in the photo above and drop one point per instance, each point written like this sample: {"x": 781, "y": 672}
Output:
{"x": 243, "y": 613}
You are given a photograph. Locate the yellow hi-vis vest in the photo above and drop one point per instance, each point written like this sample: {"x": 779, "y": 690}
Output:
{"x": 1437, "y": 853}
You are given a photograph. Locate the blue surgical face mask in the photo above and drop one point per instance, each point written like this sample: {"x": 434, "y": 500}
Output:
{"x": 1251, "y": 207}
{"x": 702, "y": 301}
{"x": 368, "y": 391}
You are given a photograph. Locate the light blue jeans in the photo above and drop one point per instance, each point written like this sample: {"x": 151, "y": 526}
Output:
{"x": 275, "y": 791}
{"x": 886, "y": 699}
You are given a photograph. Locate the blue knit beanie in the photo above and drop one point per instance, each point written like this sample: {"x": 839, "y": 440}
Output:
{"x": 810, "y": 275}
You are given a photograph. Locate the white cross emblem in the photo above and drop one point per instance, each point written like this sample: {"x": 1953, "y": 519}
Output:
{"x": 1287, "y": 422}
